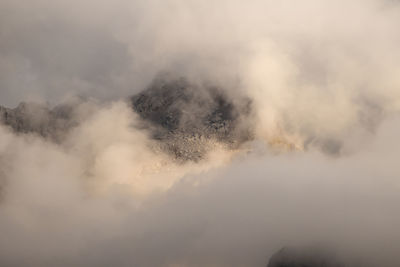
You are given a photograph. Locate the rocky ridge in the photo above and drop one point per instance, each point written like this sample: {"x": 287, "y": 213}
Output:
{"x": 185, "y": 120}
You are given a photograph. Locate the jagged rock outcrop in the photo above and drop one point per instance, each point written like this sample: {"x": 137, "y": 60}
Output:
{"x": 39, "y": 119}
{"x": 186, "y": 119}
{"x": 306, "y": 257}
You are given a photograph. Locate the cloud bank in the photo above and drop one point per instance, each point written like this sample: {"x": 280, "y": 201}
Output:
{"x": 322, "y": 78}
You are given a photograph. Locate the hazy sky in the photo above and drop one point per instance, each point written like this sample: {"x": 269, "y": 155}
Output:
{"x": 323, "y": 77}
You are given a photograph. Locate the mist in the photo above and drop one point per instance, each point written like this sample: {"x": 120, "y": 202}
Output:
{"x": 286, "y": 114}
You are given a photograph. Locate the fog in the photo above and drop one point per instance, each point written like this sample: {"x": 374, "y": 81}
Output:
{"x": 321, "y": 166}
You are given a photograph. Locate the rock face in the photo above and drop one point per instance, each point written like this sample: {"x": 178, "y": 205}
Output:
{"x": 291, "y": 257}
{"x": 187, "y": 119}
{"x": 39, "y": 119}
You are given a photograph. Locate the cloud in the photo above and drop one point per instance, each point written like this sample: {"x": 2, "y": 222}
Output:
{"x": 322, "y": 78}
{"x": 236, "y": 215}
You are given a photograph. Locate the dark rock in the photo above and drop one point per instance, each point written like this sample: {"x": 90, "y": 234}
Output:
{"x": 186, "y": 120}
{"x": 183, "y": 117}
{"x": 39, "y": 119}
{"x": 309, "y": 257}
